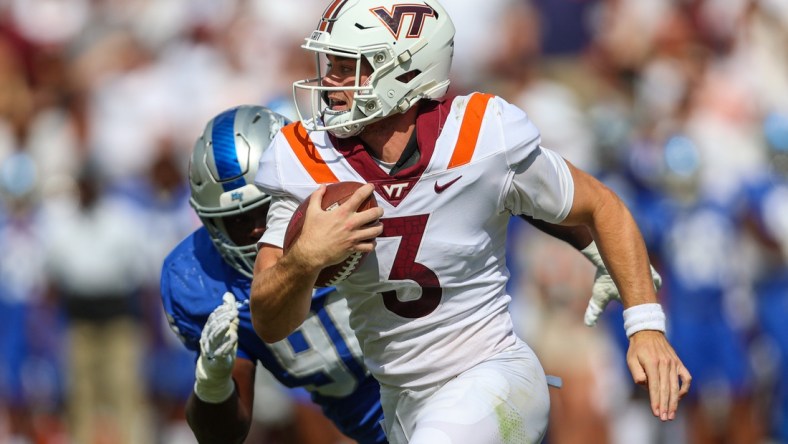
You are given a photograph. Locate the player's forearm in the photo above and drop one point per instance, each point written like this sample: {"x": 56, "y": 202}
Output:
{"x": 281, "y": 296}
{"x": 225, "y": 422}
{"x": 623, "y": 251}
{"x": 617, "y": 237}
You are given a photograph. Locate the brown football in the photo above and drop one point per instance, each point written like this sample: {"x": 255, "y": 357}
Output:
{"x": 336, "y": 194}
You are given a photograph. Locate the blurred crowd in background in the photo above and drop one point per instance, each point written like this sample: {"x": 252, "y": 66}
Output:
{"x": 680, "y": 106}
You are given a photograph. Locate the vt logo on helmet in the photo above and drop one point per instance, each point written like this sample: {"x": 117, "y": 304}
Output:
{"x": 395, "y": 19}
{"x": 401, "y": 51}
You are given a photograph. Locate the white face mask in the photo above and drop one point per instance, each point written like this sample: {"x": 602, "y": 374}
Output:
{"x": 364, "y": 107}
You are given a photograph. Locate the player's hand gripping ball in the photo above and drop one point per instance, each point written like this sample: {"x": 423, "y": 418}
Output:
{"x": 335, "y": 195}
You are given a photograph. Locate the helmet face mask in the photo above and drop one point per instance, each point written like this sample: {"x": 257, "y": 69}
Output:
{"x": 406, "y": 47}
{"x": 344, "y": 123}
{"x": 222, "y": 169}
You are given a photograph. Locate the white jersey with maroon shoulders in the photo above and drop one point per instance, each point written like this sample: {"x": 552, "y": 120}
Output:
{"x": 430, "y": 302}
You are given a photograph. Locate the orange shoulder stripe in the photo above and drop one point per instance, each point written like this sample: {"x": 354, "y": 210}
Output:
{"x": 469, "y": 129}
{"x": 307, "y": 154}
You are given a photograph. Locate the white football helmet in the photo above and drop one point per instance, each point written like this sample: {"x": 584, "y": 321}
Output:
{"x": 221, "y": 175}
{"x": 396, "y": 38}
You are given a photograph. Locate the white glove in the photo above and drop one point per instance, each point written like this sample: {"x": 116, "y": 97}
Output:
{"x": 218, "y": 344}
{"x": 604, "y": 289}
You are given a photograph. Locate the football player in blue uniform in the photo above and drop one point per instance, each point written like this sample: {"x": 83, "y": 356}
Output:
{"x": 205, "y": 290}
{"x": 766, "y": 214}
{"x": 694, "y": 231}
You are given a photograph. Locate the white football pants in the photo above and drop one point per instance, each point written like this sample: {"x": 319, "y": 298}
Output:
{"x": 503, "y": 400}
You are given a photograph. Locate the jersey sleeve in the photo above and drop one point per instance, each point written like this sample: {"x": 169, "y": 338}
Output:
{"x": 177, "y": 315}
{"x": 269, "y": 177}
{"x": 539, "y": 182}
{"x": 520, "y": 136}
{"x": 279, "y": 215}
{"x": 542, "y": 187}
{"x": 271, "y": 181}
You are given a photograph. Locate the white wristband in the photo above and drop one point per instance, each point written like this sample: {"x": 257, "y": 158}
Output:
{"x": 644, "y": 317}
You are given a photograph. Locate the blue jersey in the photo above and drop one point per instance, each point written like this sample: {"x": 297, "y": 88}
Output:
{"x": 322, "y": 355}
{"x": 767, "y": 205}
{"x": 697, "y": 245}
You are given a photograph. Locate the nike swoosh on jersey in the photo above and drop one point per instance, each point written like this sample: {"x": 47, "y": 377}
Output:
{"x": 441, "y": 188}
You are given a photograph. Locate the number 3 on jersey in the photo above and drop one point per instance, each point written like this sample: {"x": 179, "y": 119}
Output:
{"x": 405, "y": 267}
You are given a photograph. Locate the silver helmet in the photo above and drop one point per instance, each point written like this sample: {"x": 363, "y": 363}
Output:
{"x": 222, "y": 169}
{"x": 408, "y": 45}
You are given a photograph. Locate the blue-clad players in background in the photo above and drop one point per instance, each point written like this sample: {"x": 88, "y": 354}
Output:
{"x": 694, "y": 232}
{"x": 205, "y": 289}
{"x": 767, "y": 219}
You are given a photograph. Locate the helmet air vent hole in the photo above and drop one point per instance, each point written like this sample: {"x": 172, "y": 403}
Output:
{"x": 408, "y": 76}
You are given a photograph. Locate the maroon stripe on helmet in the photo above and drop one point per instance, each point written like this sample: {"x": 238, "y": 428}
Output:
{"x": 330, "y": 14}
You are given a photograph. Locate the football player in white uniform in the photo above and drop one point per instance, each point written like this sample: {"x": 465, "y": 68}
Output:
{"x": 429, "y": 304}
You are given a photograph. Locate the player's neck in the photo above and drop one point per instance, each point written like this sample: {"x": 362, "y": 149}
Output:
{"x": 387, "y": 138}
